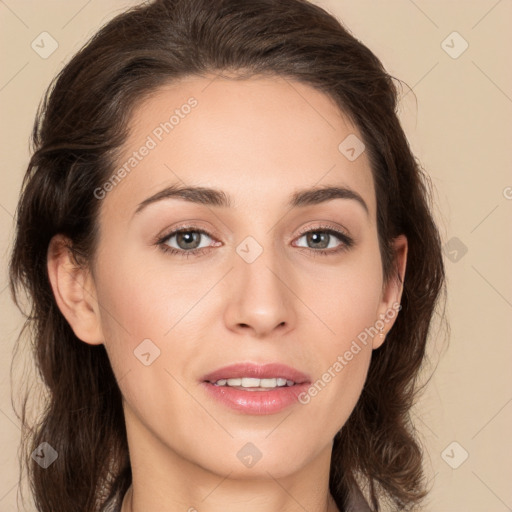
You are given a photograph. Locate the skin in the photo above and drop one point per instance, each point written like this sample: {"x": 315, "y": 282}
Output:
{"x": 259, "y": 140}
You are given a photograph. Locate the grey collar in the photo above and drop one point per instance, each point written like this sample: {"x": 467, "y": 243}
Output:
{"x": 357, "y": 502}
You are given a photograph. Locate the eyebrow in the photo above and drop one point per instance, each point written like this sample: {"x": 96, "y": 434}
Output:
{"x": 215, "y": 197}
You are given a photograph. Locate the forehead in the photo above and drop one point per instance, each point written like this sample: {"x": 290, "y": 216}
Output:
{"x": 259, "y": 139}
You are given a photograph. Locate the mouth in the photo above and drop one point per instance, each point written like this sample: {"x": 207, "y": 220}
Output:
{"x": 256, "y": 389}
{"x": 254, "y": 384}
{"x": 256, "y": 376}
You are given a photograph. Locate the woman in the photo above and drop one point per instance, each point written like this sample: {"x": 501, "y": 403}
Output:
{"x": 198, "y": 355}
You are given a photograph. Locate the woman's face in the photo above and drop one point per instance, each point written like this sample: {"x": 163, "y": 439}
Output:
{"x": 258, "y": 289}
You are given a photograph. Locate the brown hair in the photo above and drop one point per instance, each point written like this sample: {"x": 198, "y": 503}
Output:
{"x": 81, "y": 124}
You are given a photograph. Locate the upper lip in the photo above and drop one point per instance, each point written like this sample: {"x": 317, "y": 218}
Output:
{"x": 260, "y": 371}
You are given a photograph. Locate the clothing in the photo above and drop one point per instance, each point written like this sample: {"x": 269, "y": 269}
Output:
{"x": 357, "y": 502}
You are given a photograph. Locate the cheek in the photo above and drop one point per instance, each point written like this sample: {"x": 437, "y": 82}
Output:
{"x": 141, "y": 299}
{"x": 347, "y": 300}
{"x": 347, "y": 297}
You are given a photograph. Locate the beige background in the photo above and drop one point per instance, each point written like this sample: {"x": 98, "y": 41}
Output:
{"x": 459, "y": 124}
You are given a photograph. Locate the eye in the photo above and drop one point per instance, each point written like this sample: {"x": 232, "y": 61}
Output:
{"x": 185, "y": 241}
{"x": 324, "y": 237}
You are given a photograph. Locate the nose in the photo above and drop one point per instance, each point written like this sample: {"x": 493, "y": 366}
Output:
{"x": 261, "y": 299}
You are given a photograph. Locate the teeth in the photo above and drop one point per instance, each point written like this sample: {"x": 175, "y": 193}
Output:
{"x": 248, "y": 382}
{"x": 251, "y": 382}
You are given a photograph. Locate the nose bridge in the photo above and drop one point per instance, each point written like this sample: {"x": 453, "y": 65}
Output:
{"x": 260, "y": 296}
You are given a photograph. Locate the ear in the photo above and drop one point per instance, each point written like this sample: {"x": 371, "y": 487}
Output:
{"x": 74, "y": 291}
{"x": 389, "y": 306}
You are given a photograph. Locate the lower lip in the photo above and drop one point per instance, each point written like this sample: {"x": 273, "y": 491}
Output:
{"x": 256, "y": 402}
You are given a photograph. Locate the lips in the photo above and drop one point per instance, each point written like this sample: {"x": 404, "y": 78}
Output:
{"x": 252, "y": 401}
{"x": 259, "y": 371}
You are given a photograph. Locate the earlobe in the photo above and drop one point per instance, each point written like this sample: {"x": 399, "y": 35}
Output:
{"x": 74, "y": 292}
{"x": 392, "y": 292}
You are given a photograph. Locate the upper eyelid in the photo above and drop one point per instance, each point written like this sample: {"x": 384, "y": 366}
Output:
{"x": 325, "y": 227}
{"x": 174, "y": 231}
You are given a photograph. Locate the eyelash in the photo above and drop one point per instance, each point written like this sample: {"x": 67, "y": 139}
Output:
{"x": 347, "y": 242}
